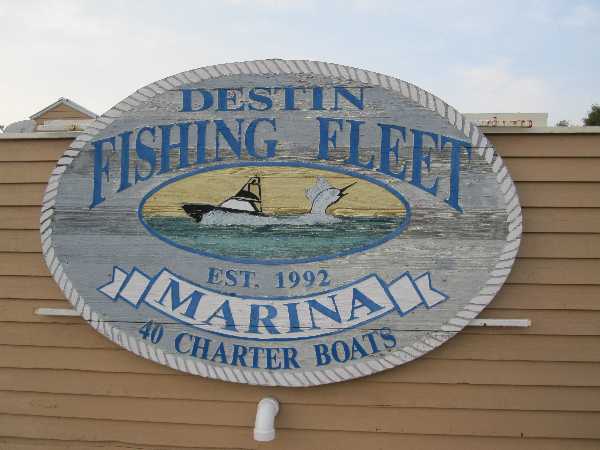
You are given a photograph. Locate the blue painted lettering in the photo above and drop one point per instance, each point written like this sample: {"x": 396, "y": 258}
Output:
{"x": 235, "y": 143}
{"x": 124, "y": 184}
{"x": 219, "y": 355}
{"x": 223, "y": 312}
{"x": 256, "y": 319}
{"x": 317, "y": 98}
{"x": 333, "y": 314}
{"x": 292, "y": 310}
{"x": 201, "y": 141}
{"x": 455, "y": 153}
{"x": 354, "y": 155}
{"x": 225, "y": 96}
{"x": 187, "y": 100}
{"x": 271, "y": 144}
{"x": 325, "y": 137}
{"x": 322, "y": 354}
{"x": 360, "y": 300}
{"x": 192, "y": 300}
{"x": 145, "y": 154}
{"x": 387, "y": 150}
{"x": 265, "y": 100}
{"x": 101, "y": 167}
{"x": 419, "y": 157}
{"x": 341, "y": 91}
{"x": 167, "y": 146}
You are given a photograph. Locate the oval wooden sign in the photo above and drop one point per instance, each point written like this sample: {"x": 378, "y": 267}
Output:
{"x": 280, "y": 222}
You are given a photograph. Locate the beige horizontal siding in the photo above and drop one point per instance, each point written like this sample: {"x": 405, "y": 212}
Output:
{"x": 423, "y": 370}
{"x": 546, "y": 145}
{"x": 521, "y": 169}
{"x": 64, "y": 386}
{"x": 46, "y": 150}
{"x": 380, "y": 418}
{"x": 531, "y": 194}
{"x": 533, "y": 245}
{"x": 519, "y": 296}
{"x": 222, "y": 437}
{"x": 373, "y": 392}
{"x": 56, "y": 444}
{"x": 472, "y": 345}
{"x": 526, "y": 270}
{"x": 545, "y": 321}
{"x": 535, "y": 220}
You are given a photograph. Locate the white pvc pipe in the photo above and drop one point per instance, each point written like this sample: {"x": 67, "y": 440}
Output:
{"x": 58, "y": 312}
{"x": 264, "y": 424}
{"x": 509, "y": 323}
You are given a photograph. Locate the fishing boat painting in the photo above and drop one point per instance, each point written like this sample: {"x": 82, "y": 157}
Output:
{"x": 245, "y": 207}
{"x": 274, "y": 213}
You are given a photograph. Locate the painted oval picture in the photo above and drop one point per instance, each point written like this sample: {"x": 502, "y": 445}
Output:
{"x": 280, "y": 222}
{"x": 274, "y": 213}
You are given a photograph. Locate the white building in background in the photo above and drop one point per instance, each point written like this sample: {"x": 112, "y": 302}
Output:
{"x": 510, "y": 120}
{"x": 62, "y": 115}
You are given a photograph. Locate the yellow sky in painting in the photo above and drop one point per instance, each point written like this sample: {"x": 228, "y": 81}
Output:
{"x": 282, "y": 192}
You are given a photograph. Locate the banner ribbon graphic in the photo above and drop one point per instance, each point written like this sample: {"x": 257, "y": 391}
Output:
{"x": 273, "y": 318}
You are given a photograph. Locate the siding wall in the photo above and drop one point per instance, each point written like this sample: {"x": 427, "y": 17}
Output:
{"x": 64, "y": 386}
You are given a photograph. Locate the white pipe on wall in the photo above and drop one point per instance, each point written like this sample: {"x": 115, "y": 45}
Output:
{"x": 264, "y": 424}
{"x": 510, "y": 323}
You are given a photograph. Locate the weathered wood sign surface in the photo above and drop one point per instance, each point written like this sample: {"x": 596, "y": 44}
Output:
{"x": 280, "y": 222}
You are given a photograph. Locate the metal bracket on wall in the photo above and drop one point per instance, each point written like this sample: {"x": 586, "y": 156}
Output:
{"x": 515, "y": 323}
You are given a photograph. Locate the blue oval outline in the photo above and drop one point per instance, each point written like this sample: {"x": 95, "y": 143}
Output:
{"x": 326, "y": 168}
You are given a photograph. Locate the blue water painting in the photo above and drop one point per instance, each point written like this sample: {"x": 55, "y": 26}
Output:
{"x": 284, "y": 241}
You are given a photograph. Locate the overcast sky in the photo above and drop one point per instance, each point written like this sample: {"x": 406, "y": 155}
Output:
{"x": 479, "y": 56}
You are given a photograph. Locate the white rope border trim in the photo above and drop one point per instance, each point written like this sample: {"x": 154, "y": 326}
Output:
{"x": 297, "y": 378}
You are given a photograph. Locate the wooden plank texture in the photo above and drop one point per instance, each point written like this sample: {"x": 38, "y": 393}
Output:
{"x": 518, "y": 373}
{"x": 517, "y": 296}
{"x": 491, "y": 347}
{"x": 560, "y": 297}
{"x": 29, "y": 167}
{"x": 29, "y": 287}
{"x": 554, "y": 169}
{"x": 364, "y": 392}
{"x": 533, "y": 245}
{"x": 546, "y": 145}
{"x": 9, "y": 443}
{"x": 526, "y": 270}
{"x": 561, "y": 220}
{"x": 435, "y": 421}
{"x": 544, "y": 322}
{"x": 220, "y": 437}
{"x": 64, "y": 386}
{"x": 560, "y": 245}
{"x": 559, "y": 194}
{"x": 531, "y": 194}
{"x": 19, "y": 194}
{"x": 132, "y": 432}
{"x": 20, "y": 217}
{"x": 536, "y": 220}
{"x": 20, "y": 241}
{"x": 554, "y": 271}
{"x": 26, "y": 172}
{"x": 33, "y": 149}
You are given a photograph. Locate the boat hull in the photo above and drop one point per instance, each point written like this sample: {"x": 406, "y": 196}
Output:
{"x": 197, "y": 210}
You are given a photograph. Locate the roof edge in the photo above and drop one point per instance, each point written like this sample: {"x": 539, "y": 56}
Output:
{"x": 41, "y": 135}
{"x": 540, "y": 130}
{"x": 67, "y": 102}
